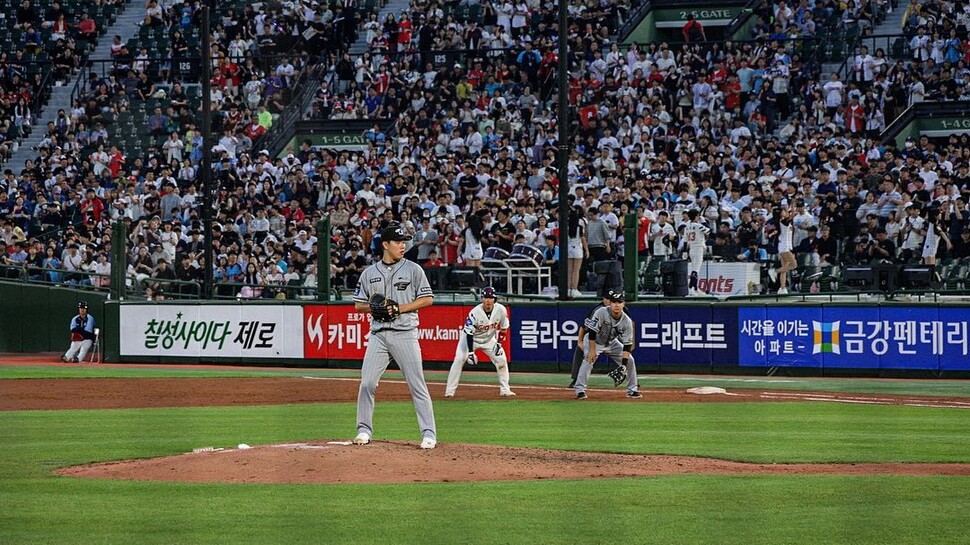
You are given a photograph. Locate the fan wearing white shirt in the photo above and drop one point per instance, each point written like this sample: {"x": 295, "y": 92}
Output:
{"x": 785, "y": 247}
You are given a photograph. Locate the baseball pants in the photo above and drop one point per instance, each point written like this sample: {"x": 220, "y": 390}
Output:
{"x": 79, "y": 349}
{"x": 696, "y": 259}
{"x": 494, "y": 352}
{"x": 615, "y": 352}
{"x": 577, "y": 361}
{"x": 404, "y": 348}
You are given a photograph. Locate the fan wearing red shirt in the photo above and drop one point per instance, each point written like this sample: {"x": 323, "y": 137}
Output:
{"x": 643, "y": 232}
{"x": 855, "y": 116}
{"x": 254, "y": 130}
{"x": 92, "y": 207}
{"x": 475, "y": 75}
{"x": 218, "y": 79}
{"x": 588, "y": 115}
{"x": 116, "y": 161}
{"x": 404, "y": 28}
{"x": 732, "y": 93}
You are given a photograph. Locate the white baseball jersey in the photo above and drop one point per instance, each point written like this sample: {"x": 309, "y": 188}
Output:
{"x": 659, "y": 233}
{"x": 485, "y": 327}
{"x": 696, "y": 235}
{"x": 785, "y": 234}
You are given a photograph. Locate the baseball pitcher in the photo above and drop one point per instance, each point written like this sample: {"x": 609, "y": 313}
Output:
{"x": 485, "y": 329}
{"x": 610, "y": 332}
{"x": 392, "y": 291}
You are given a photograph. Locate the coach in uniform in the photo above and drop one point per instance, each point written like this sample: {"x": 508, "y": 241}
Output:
{"x": 485, "y": 329}
{"x": 82, "y": 335}
{"x": 609, "y": 331}
{"x": 392, "y": 291}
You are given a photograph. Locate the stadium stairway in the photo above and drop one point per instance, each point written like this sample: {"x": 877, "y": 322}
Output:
{"x": 396, "y": 7}
{"x": 892, "y": 24}
{"x": 126, "y": 25}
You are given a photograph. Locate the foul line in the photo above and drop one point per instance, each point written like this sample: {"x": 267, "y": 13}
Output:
{"x": 774, "y": 396}
{"x": 479, "y": 385}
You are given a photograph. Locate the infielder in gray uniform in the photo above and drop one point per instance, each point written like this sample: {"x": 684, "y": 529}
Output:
{"x": 393, "y": 290}
{"x": 609, "y": 331}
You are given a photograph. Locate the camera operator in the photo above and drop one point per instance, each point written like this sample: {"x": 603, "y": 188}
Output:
{"x": 882, "y": 248}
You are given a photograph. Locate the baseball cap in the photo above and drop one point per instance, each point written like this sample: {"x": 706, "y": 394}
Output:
{"x": 394, "y": 232}
{"x": 82, "y": 304}
{"x": 615, "y": 296}
{"x": 488, "y": 292}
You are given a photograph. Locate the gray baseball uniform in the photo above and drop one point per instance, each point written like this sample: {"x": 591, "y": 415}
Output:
{"x": 403, "y": 282}
{"x": 612, "y": 335}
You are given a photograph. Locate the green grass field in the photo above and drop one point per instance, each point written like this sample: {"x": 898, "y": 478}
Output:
{"x": 38, "y": 507}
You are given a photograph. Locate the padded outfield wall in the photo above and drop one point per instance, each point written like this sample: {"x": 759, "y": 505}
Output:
{"x": 886, "y": 339}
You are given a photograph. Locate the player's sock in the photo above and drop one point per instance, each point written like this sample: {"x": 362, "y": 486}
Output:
{"x": 692, "y": 283}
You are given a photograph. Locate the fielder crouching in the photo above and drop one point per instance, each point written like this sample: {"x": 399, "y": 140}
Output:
{"x": 485, "y": 329}
{"x": 610, "y": 331}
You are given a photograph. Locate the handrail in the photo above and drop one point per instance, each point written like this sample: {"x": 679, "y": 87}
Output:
{"x": 263, "y": 288}
{"x": 282, "y": 128}
{"x": 925, "y": 109}
{"x": 633, "y": 20}
{"x": 195, "y": 293}
{"x": 39, "y": 99}
{"x": 741, "y": 18}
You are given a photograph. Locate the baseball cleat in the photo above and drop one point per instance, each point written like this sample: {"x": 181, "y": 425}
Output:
{"x": 449, "y": 395}
{"x": 510, "y": 393}
{"x": 362, "y": 438}
{"x": 428, "y": 443}
{"x": 634, "y": 395}
{"x": 581, "y": 395}
{"x": 572, "y": 384}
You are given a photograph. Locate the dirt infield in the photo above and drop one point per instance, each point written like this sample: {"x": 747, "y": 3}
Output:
{"x": 403, "y": 462}
{"x": 124, "y": 393}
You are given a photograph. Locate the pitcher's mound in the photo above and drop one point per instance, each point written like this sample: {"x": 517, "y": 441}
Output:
{"x": 403, "y": 462}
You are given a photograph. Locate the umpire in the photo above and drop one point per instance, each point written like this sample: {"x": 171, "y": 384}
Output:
{"x": 393, "y": 290}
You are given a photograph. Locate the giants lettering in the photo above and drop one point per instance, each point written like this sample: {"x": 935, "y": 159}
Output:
{"x": 716, "y": 285}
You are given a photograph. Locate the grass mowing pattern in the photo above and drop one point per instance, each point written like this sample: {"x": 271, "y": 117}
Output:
{"x": 40, "y": 508}
{"x": 940, "y": 388}
{"x": 769, "y": 510}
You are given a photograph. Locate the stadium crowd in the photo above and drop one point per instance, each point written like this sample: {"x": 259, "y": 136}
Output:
{"x": 750, "y": 134}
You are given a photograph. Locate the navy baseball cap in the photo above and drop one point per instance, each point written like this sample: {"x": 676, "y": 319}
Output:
{"x": 394, "y": 232}
{"x": 488, "y": 292}
{"x": 82, "y": 304}
{"x": 615, "y": 296}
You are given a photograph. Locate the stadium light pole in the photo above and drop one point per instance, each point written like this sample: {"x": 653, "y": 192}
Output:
{"x": 206, "y": 170}
{"x": 562, "y": 117}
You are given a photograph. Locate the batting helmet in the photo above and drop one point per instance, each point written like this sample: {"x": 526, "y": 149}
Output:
{"x": 488, "y": 292}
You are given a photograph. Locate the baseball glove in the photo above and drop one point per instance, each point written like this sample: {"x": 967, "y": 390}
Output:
{"x": 383, "y": 309}
{"x": 618, "y": 375}
{"x": 472, "y": 359}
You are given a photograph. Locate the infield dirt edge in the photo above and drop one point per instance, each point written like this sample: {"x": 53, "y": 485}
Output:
{"x": 331, "y": 462}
